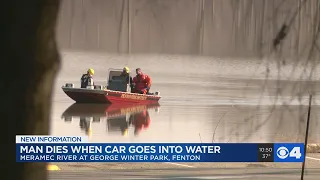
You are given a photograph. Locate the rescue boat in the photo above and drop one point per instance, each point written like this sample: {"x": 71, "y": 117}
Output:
{"x": 117, "y": 91}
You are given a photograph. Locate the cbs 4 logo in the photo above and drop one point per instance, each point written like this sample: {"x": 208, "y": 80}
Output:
{"x": 283, "y": 152}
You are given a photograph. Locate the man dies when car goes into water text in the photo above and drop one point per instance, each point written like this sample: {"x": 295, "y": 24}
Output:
{"x": 132, "y": 153}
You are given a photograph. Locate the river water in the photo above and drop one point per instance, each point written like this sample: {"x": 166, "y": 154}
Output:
{"x": 203, "y": 100}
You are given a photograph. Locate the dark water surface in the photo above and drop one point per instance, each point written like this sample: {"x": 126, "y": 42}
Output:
{"x": 203, "y": 99}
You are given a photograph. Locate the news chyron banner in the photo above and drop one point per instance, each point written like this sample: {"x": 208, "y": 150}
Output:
{"x": 78, "y": 149}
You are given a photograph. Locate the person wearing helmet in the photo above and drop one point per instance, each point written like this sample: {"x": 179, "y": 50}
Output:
{"x": 87, "y": 79}
{"x": 142, "y": 82}
{"x": 126, "y": 73}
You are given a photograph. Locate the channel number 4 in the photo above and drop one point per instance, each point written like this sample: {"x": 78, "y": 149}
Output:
{"x": 283, "y": 152}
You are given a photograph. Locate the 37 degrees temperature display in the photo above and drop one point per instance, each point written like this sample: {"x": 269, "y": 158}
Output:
{"x": 265, "y": 152}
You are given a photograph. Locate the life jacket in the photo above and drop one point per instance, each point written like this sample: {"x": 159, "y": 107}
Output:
{"x": 86, "y": 80}
{"x": 141, "y": 82}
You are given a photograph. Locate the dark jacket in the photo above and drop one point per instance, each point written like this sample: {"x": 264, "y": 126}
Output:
{"x": 128, "y": 79}
{"x": 85, "y": 80}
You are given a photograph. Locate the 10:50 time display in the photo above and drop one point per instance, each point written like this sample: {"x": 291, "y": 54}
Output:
{"x": 265, "y": 150}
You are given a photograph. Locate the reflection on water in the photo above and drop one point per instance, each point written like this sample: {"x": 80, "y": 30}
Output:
{"x": 118, "y": 118}
{"x": 113, "y": 123}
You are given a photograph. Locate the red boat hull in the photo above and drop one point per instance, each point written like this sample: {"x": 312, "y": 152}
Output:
{"x": 81, "y": 95}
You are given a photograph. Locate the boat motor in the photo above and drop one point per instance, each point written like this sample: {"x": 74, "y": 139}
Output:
{"x": 157, "y": 93}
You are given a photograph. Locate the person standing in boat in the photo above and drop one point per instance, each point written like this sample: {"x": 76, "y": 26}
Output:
{"x": 126, "y": 73}
{"x": 142, "y": 82}
{"x": 87, "y": 79}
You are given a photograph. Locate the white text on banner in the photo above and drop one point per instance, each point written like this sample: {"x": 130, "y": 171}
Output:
{"x": 50, "y": 139}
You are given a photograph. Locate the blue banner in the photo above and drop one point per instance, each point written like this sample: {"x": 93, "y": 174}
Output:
{"x": 158, "y": 152}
